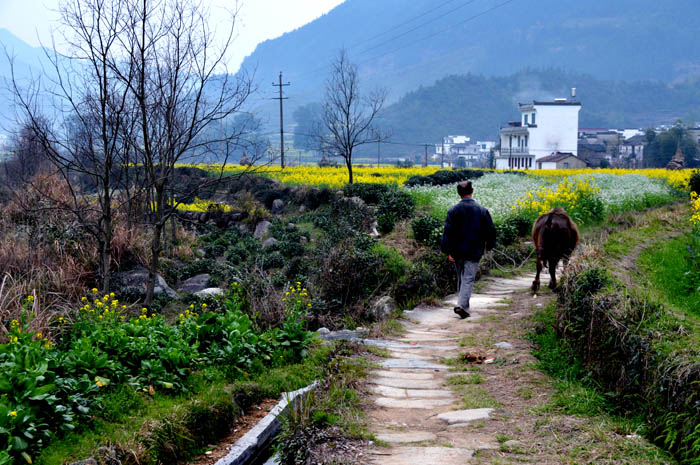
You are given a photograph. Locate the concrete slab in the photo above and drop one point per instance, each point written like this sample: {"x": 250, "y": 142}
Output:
{"x": 406, "y": 437}
{"x": 407, "y": 383}
{"x": 423, "y": 456}
{"x": 395, "y": 374}
{"x": 403, "y": 354}
{"x": 388, "y": 391}
{"x": 429, "y": 393}
{"x": 425, "y": 404}
{"x": 465, "y": 416}
{"x": 412, "y": 364}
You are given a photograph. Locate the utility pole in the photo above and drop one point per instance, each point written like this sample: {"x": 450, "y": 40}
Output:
{"x": 425, "y": 162}
{"x": 281, "y": 98}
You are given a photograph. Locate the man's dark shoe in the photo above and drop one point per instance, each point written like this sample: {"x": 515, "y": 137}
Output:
{"x": 461, "y": 312}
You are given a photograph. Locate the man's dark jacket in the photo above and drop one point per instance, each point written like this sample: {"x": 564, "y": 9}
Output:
{"x": 468, "y": 231}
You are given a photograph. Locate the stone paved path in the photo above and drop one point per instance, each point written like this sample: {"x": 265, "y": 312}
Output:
{"x": 414, "y": 410}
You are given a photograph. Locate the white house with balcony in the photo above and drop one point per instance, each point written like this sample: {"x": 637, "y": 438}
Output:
{"x": 544, "y": 128}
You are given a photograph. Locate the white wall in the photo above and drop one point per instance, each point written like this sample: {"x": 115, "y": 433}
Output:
{"x": 556, "y": 131}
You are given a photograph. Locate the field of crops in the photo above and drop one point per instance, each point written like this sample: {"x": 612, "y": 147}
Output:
{"x": 528, "y": 193}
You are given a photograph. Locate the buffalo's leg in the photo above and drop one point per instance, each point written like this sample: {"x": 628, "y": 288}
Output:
{"x": 536, "y": 282}
{"x": 553, "y": 273}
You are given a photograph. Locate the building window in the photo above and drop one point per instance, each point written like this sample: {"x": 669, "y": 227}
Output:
{"x": 566, "y": 165}
{"x": 533, "y": 119}
{"x": 526, "y": 123}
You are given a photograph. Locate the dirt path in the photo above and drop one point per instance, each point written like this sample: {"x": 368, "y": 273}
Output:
{"x": 429, "y": 407}
{"x": 417, "y": 413}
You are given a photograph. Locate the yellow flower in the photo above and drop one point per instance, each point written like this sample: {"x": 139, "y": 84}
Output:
{"x": 94, "y": 290}
{"x": 83, "y": 299}
{"x": 204, "y": 305}
{"x": 144, "y": 310}
{"x": 13, "y": 413}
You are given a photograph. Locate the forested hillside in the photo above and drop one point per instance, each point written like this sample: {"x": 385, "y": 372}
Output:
{"x": 402, "y": 45}
{"x": 476, "y": 105}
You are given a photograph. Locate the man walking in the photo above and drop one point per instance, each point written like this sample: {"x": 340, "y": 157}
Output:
{"x": 468, "y": 232}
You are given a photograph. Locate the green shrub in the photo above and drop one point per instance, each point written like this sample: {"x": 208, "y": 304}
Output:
{"x": 440, "y": 178}
{"x": 386, "y": 222}
{"x": 427, "y": 230}
{"x": 369, "y": 193}
{"x": 398, "y": 202}
{"x": 694, "y": 182}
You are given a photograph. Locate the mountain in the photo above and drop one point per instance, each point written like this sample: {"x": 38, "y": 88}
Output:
{"x": 401, "y": 44}
{"x": 29, "y": 63}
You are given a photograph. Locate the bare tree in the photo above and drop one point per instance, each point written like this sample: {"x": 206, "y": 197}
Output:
{"x": 183, "y": 93}
{"x": 84, "y": 129}
{"x": 27, "y": 160}
{"x": 348, "y": 115}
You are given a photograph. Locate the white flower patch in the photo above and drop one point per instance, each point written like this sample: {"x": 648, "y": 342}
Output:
{"x": 498, "y": 192}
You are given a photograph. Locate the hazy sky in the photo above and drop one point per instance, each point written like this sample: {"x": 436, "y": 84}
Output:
{"x": 259, "y": 19}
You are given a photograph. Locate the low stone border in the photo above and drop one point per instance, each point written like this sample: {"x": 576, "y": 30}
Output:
{"x": 259, "y": 437}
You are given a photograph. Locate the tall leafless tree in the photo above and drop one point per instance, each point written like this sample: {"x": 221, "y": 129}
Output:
{"x": 348, "y": 115}
{"x": 183, "y": 93}
{"x": 83, "y": 120}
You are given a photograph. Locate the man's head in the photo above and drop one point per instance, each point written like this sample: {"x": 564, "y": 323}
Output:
{"x": 465, "y": 189}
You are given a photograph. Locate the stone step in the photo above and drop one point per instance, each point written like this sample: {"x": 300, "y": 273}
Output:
{"x": 405, "y": 437}
{"x": 425, "y": 404}
{"x": 408, "y": 383}
{"x": 423, "y": 456}
{"x": 411, "y": 364}
{"x": 395, "y": 374}
{"x": 401, "y": 393}
{"x": 465, "y": 416}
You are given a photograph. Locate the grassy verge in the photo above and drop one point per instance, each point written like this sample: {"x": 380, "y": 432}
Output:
{"x": 172, "y": 428}
{"x": 668, "y": 268}
{"x": 333, "y": 415}
{"x": 577, "y": 393}
{"x": 630, "y": 344}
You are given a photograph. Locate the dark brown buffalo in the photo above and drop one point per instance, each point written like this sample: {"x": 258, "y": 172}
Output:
{"x": 555, "y": 236}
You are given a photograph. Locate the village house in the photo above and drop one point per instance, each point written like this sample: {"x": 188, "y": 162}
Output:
{"x": 460, "y": 152}
{"x": 545, "y": 128}
{"x": 561, "y": 161}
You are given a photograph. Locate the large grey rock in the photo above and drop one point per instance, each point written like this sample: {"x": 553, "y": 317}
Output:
{"x": 210, "y": 291}
{"x": 195, "y": 283}
{"x": 270, "y": 241}
{"x": 382, "y": 308}
{"x": 137, "y": 279}
{"x": 89, "y": 461}
{"x": 277, "y": 205}
{"x": 261, "y": 229}
{"x": 504, "y": 345}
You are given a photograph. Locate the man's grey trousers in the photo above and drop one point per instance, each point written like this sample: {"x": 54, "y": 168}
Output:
{"x": 466, "y": 273}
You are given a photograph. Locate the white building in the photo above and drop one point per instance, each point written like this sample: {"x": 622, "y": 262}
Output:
{"x": 459, "y": 152}
{"x": 544, "y": 128}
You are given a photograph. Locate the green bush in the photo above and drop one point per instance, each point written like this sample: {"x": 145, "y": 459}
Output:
{"x": 441, "y": 178}
{"x": 694, "y": 182}
{"x": 369, "y": 193}
{"x": 104, "y": 358}
{"x": 427, "y": 230}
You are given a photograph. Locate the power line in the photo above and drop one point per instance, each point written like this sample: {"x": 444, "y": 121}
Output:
{"x": 313, "y": 71}
{"x": 420, "y": 26}
{"x": 281, "y": 98}
{"x": 430, "y": 36}
{"x": 398, "y": 26}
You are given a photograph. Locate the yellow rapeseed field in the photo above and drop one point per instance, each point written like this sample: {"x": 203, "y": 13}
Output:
{"x": 337, "y": 177}
{"x": 330, "y": 176}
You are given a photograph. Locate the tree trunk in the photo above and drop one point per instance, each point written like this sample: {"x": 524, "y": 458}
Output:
{"x": 348, "y": 162}
{"x": 158, "y": 226}
{"x": 107, "y": 258}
